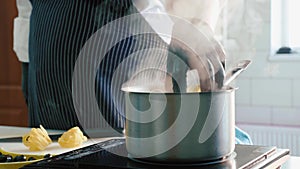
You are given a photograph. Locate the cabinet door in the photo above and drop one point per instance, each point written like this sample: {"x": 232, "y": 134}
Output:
{"x": 13, "y": 110}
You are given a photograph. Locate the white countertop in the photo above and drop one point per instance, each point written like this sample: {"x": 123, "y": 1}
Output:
{"x": 54, "y": 148}
{"x": 292, "y": 163}
{"x": 18, "y": 147}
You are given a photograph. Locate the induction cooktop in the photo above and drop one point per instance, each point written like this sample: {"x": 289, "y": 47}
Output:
{"x": 104, "y": 155}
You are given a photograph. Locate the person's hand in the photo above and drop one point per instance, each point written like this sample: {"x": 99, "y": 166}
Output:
{"x": 194, "y": 48}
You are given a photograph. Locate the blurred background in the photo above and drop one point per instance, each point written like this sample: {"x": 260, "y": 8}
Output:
{"x": 13, "y": 110}
{"x": 268, "y": 98}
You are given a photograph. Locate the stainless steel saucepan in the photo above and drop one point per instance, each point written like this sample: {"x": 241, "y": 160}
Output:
{"x": 180, "y": 127}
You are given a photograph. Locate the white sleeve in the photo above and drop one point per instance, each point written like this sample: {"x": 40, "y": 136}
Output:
{"x": 161, "y": 24}
{"x": 196, "y": 10}
{"x": 21, "y": 30}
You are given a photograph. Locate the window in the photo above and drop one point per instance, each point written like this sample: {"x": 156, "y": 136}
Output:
{"x": 285, "y": 30}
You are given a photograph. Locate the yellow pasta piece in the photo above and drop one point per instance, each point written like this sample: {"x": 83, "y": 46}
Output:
{"x": 37, "y": 139}
{"x": 193, "y": 89}
{"x": 72, "y": 138}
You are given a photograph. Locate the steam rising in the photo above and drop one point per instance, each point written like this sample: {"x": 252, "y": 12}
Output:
{"x": 236, "y": 22}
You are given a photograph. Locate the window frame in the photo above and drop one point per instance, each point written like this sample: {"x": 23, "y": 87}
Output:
{"x": 277, "y": 22}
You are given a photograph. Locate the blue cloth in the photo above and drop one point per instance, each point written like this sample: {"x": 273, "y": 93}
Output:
{"x": 242, "y": 137}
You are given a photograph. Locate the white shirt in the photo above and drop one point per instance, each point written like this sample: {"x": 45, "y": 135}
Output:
{"x": 21, "y": 30}
{"x": 21, "y": 23}
{"x": 161, "y": 24}
{"x": 193, "y": 10}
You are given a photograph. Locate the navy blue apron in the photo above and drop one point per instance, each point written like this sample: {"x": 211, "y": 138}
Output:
{"x": 58, "y": 31}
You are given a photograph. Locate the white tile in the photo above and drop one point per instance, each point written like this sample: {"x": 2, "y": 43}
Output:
{"x": 271, "y": 92}
{"x": 261, "y": 8}
{"x": 252, "y": 30}
{"x": 296, "y": 93}
{"x": 243, "y": 94}
{"x": 234, "y": 56}
{"x": 262, "y": 67}
{"x": 287, "y": 69}
{"x": 255, "y": 69}
{"x": 286, "y": 116}
{"x": 255, "y": 115}
{"x": 262, "y": 37}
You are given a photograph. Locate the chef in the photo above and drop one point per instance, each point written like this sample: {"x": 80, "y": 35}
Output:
{"x": 50, "y": 34}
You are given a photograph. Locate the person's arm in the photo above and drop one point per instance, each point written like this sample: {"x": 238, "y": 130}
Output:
{"x": 21, "y": 30}
{"x": 193, "y": 42}
{"x": 187, "y": 38}
{"x": 160, "y": 23}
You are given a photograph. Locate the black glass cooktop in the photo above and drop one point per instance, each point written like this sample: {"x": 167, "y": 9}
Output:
{"x": 103, "y": 155}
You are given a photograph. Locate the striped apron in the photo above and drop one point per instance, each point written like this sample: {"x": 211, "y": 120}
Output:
{"x": 58, "y": 31}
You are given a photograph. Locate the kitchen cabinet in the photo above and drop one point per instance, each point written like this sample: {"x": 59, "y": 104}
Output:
{"x": 13, "y": 110}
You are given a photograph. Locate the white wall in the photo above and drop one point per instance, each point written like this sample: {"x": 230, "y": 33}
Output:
{"x": 269, "y": 91}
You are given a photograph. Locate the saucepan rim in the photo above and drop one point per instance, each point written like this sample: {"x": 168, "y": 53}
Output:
{"x": 134, "y": 90}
